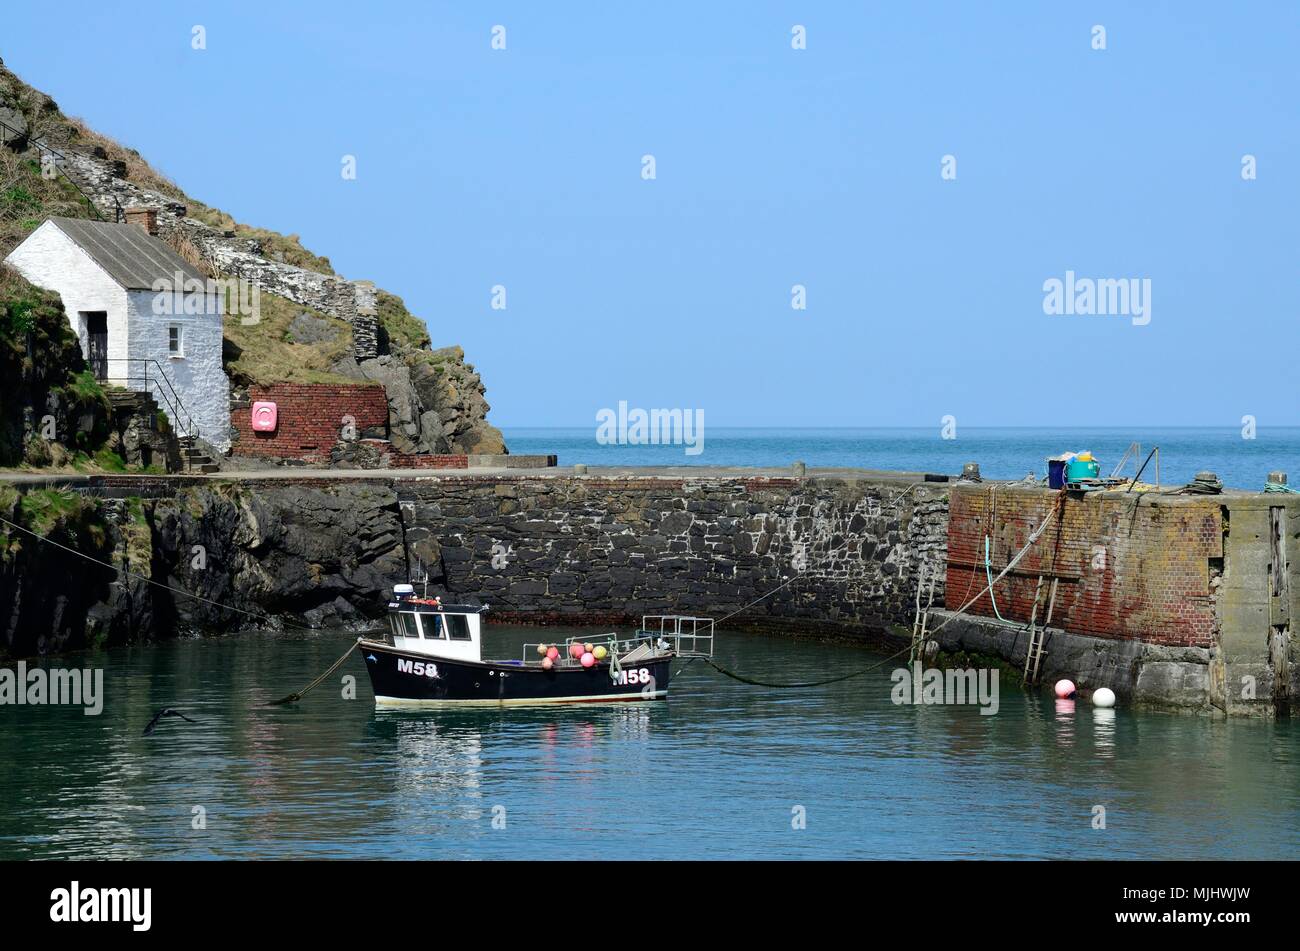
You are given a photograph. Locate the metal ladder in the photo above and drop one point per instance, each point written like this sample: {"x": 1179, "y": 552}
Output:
{"x": 1037, "y": 634}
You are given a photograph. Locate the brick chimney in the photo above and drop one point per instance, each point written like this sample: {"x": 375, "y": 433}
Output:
{"x": 146, "y": 218}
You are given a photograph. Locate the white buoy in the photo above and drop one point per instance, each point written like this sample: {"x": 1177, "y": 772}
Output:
{"x": 1103, "y": 697}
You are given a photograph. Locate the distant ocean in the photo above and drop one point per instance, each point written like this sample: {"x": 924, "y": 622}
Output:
{"x": 1002, "y": 453}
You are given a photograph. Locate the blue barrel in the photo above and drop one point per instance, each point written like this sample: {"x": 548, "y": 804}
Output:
{"x": 1056, "y": 473}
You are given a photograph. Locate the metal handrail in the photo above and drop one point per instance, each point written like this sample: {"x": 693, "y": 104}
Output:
{"x": 675, "y": 636}
{"x": 673, "y": 627}
{"x": 118, "y": 212}
{"x": 178, "y": 409}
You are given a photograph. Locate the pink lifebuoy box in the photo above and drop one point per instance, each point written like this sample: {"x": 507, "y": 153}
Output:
{"x": 264, "y": 417}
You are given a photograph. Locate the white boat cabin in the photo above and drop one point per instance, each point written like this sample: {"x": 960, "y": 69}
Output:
{"x": 427, "y": 626}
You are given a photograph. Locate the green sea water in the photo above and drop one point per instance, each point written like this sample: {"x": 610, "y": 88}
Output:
{"x": 720, "y": 770}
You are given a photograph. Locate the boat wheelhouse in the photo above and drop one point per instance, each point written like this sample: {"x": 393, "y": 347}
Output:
{"x": 433, "y": 655}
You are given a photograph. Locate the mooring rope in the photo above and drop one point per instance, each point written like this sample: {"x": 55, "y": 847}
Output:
{"x": 298, "y": 695}
{"x": 811, "y": 683}
{"x": 1033, "y": 538}
{"x": 131, "y": 574}
{"x": 988, "y": 574}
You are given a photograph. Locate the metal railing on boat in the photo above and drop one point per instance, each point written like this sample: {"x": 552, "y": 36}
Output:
{"x": 684, "y": 636}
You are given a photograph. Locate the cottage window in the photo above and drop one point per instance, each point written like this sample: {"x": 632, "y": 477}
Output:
{"x": 175, "y": 341}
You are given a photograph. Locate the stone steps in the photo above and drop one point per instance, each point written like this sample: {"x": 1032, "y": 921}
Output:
{"x": 196, "y": 458}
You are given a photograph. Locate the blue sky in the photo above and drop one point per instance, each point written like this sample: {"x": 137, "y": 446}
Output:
{"x": 774, "y": 167}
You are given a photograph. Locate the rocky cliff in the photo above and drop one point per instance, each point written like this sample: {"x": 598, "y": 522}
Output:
{"x": 52, "y": 164}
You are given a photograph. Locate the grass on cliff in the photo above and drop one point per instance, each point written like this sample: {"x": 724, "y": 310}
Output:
{"x": 47, "y": 513}
{"x": 44, "y": 511}
{"x": 47, "y": 121}
{"x": 27, "y": 199}
{"x": 41, "y": 366}
{"x": 401, "y": 326}
{"x": 265, "y": 352}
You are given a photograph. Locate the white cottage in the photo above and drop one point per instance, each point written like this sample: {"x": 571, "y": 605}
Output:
{"x": 147, "y": 319}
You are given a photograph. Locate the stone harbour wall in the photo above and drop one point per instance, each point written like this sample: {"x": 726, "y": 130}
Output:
{"x": 831, "y": 555}
{"x": 843, "y": 556}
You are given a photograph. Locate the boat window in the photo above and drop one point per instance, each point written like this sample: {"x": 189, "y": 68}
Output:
{"x": 457, "y": 627}
{"x": 432, "y": 625}
{"x": 395, "y": 625}
{"x": 408, "y": 625}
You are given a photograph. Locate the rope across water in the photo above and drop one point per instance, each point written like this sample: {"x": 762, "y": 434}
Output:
{"x": 809, "y": 683}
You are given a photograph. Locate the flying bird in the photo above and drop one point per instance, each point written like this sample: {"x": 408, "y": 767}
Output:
{"x": 165, "y": 712}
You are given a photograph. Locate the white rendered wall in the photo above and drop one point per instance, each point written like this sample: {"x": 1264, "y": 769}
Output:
{"x": 197, "y": 375}
{"x": 52, "y": 260}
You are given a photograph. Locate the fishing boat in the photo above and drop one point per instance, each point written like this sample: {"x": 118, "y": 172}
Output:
{"x": 432, "y": 656}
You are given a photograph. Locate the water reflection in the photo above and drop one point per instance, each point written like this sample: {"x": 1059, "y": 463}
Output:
{"x": 1103, "y": 732}
{"x": 337, "y": 778}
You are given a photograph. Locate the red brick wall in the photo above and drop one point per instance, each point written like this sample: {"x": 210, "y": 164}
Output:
{"x": 1152, "y": 584}
{"x": 310, "y": 418}
{"x": 393, "y": 459}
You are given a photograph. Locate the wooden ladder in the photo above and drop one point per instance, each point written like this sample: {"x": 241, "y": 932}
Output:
{"x": 1037, "y": 634}
{"x": 921, "y": 621}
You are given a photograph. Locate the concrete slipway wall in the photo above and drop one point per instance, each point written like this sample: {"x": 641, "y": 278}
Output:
{"x": 1170, "y": 600}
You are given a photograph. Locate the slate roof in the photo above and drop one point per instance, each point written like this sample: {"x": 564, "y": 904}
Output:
{"x": 131, "y": 256}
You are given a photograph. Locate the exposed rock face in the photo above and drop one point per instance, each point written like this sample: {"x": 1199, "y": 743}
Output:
{"x": 139, "y": 434}
{"x": 452, "y": 391}
{"x": 51, "y": 599}
{"x": 404, "y": 407}
{"x": 278, "y": 550}
{"x": 13, "y": 125}
{"x": 435, "y": 402}
{"x": 308, "y": 329}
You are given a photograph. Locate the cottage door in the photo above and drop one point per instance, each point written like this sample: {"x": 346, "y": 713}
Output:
{"x": 97, "y": 336}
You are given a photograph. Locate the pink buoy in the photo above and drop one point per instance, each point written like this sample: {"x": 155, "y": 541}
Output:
{"x": 552, "y": 653}
{"x": 576, "y": 650}
{"x": 1065, "y": 688}
{"x": 588, "y": 659}
{"x": 547, "y": 663}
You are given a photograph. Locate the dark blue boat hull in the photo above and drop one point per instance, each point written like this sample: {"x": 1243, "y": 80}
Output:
{"x": 405, "y": 677}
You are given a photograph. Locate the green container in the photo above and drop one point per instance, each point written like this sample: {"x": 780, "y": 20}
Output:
{"x": 1077, "y": 471}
